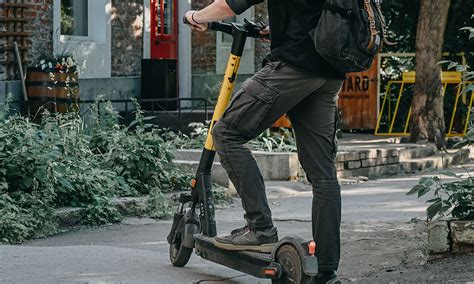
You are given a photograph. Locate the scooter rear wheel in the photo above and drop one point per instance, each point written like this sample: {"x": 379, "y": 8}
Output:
{"x": 290, "y": 260}
{"x": 179, "y": 255}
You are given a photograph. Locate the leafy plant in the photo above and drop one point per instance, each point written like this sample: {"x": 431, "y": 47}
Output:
{"x": 63, "y": 163}
{"x": 270, "y": 141}
{"x": 449, "y": 198}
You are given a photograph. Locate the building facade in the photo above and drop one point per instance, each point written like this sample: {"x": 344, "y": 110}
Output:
{"x": 111, "y": 37}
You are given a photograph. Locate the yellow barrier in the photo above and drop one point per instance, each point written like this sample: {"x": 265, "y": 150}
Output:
{"x": 408, "y": 79}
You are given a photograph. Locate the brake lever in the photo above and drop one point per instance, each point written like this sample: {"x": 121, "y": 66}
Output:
{"x": 254, "y": 29}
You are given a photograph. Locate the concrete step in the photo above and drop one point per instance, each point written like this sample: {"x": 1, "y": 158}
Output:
{"x": 219, "y": 175}
{"x": 419, "y": 152}
{"x": 189, "y": 154}
{"x": 371, "y": 163}
{"x": 273, "y": 165}
{"x": 436, "y": 161}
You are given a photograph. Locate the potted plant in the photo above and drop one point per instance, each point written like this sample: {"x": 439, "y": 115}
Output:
{"x": 52, "y": 84}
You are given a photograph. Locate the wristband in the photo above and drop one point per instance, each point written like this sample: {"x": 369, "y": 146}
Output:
{"x": 192, "y": 17}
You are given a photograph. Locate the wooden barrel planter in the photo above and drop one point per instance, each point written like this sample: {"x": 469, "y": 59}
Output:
{"x": 52, "y": 91}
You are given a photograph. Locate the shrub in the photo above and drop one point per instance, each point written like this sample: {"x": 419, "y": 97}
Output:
{"x": 61, "y": 162}
{"x": 455, "y": 199}
{"x": 270, "y": 141}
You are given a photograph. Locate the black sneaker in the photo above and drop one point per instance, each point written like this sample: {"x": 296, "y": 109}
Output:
{"x": 326, "y": 278}
{"x": 233, "y": 234}
{"x": 252, "y": 240}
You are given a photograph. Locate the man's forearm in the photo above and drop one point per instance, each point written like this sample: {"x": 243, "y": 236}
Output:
{"x": 219, "y": 10}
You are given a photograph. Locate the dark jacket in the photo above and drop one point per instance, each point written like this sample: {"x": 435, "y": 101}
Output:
{"x": 290, "y": 24}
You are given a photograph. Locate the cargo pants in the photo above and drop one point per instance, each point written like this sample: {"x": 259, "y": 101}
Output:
{"x": 311, "y": 103}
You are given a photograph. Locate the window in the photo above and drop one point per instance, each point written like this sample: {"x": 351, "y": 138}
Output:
{"x": 165, "y": 16}
{"x": 83, "y": 27}
{"x": 74, "y": 18}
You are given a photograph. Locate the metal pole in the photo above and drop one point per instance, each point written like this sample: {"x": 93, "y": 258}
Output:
{"x": 20, "y": 68}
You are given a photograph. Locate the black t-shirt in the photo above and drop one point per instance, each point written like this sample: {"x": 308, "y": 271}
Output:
{"x": 290, "y": 24}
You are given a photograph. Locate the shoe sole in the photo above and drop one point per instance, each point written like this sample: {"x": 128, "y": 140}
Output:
{"x": 265, "y": 248}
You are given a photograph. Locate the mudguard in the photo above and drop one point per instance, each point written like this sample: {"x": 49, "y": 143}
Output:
{"x": 191, "y": 227}
{"x": 309, "y": 262}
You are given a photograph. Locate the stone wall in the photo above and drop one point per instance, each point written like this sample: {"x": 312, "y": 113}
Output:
{"x": 127, "y": 37}
{"x": 206, "y": 83}
{"x": 42, "y": 29}
{"x": 41, "y": 37}
{"x": 127, "y": 32}
{"x": 450, "y": 236}
{"x": 203, "y": 54}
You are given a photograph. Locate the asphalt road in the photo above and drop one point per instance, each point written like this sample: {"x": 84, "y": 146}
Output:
{"x": 376, "y": 235}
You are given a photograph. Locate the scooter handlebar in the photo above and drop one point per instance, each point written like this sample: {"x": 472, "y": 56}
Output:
{"x": 253, "y": 29}
{"x": 214, "y": 26}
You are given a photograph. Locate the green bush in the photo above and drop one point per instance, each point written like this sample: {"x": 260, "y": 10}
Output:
{"x": 269, "y": 141}
{"x": 62, "y": 163}
{"x": 456, "y": 198}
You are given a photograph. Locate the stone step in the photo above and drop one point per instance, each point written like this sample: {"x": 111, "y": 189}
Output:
{"x": 189, "y": 154}
{"x": 436, "y": 161}
{"x": 418, "y": 152}
{"x": 219, "y": 175}
{"x": 346, "y": 153}
{"x": 371, "y": 163}
{"x": 273, "y": 165}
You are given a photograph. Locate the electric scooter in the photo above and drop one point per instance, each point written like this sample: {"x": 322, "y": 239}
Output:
{"x": 292, "y": 260}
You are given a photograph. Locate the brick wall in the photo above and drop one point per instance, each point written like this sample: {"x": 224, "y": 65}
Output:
{"x": 127, "y": 37}
{"x": 203, "y": 52}
{"x": 42, "y": 29}
{"x": 41, "y": 38}
{"x": 204, "y": 44}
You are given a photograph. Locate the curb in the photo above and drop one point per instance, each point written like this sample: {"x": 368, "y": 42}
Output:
{"x": 127, "y": 206}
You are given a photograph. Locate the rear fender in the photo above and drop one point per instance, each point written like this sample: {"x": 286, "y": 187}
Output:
{"x": 309, "y": 262}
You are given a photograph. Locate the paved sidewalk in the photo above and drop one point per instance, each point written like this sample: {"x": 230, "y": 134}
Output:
{"x": 379, "y": 244}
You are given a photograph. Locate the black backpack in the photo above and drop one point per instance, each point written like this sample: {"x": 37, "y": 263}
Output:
{"x": 350, "y": 33}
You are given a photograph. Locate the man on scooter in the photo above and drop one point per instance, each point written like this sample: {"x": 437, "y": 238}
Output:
{"x": 295, "y": 80}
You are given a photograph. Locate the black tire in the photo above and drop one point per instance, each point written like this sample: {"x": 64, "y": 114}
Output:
{"x": 289, "y": 258}
{"x": 179, "y": 255}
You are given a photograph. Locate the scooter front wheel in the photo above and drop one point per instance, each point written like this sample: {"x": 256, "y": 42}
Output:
{"x": 290, "y": 260}
{"x": 179, "y": 255}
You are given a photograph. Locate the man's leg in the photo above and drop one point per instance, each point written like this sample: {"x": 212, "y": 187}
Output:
{"x": 314, "y": 122}
{"x": 266, "y": 96}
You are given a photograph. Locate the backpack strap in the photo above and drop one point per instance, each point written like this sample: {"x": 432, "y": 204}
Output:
{"x": 346, "y": 13}
{"x": 372, "y": 28}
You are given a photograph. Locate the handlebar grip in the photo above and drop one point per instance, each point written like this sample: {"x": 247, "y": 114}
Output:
{"x": 185, "y": 21}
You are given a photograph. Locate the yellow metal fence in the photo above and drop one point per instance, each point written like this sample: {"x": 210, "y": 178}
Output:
{"x": 395, "y": 111}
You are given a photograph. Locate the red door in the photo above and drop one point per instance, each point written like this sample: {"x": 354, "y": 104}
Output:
{"x": 164, "y": 29}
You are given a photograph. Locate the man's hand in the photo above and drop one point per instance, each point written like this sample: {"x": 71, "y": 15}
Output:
{"x": 266, "y": 34}
{"x": 216, "y": 11}
{"x": 193, "y": 19}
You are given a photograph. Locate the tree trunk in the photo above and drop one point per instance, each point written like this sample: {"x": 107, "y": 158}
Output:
{"x": 427, "y": 119}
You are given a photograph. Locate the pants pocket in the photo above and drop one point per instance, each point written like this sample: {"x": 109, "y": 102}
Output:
{"x": 249, "y": 107}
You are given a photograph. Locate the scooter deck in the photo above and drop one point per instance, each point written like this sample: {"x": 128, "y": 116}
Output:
{"x": 252, "y": 263}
